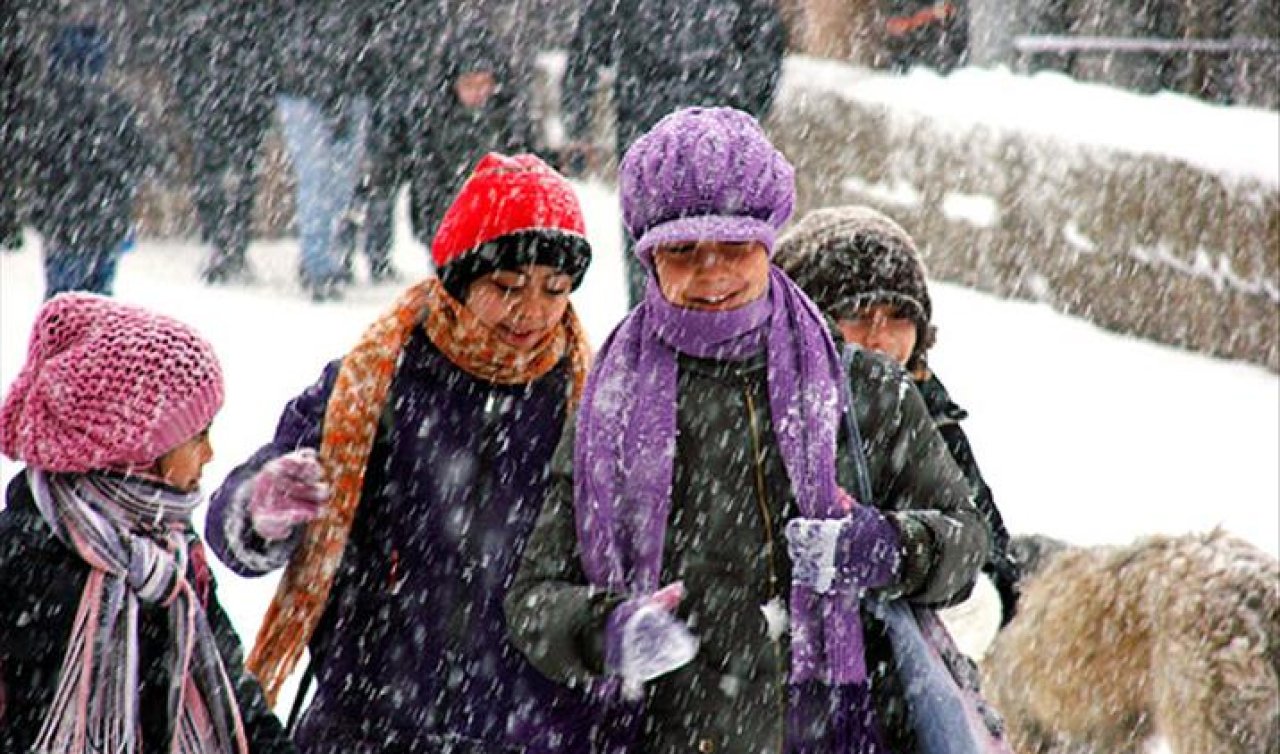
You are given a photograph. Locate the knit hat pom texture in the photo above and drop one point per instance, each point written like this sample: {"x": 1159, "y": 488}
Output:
{"x": 705, "y": 174}
{"x": 107, "y": 385}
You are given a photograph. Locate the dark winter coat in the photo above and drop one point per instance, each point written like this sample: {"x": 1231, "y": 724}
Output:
{"x": 420, "y": 132}
{"x": 456, "y": 136}
{"x": 927, "y": 33}
{"x": 1001, "y": 567}
{"x": 671, "y": 54}
{"x": 226, "y": 74}
{"x": 323, "y": 46}
{"x": 87, "y": 160}
{"x": 411, "y": 652}
{"x": 41, "y": 581}
{"x": 731, "y": 499}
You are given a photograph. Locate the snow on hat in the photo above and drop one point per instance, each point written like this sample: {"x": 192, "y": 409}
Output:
{"x": 705, "y": 174}
{"x": 511, "y": 212}
{"x": 848, "y": 258}
{"x": 107, "y": 385}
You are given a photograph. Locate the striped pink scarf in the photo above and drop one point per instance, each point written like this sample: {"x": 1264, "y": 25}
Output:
{"x": 132, "y": 535}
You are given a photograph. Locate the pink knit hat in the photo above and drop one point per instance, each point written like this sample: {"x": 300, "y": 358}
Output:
{"x": 107, "y": 385}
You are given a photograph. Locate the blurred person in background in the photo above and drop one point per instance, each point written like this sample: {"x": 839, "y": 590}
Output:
{"x": 476, "y": 112}
{"x": 452, "y": 84}
{"x": 403, "y": 62}
{"x": 668, "y": 54}
{"x": 226, "y": 87}
{"x": 927, "y": 33}
{"x": 87, "y": 160}
{"x": 324, "y": 112}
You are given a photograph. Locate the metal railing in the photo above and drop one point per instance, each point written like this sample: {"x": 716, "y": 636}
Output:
{"x": 1047, "y": 43}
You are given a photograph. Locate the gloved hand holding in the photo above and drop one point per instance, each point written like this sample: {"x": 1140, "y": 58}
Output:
{"x": 863, "y": 548}
{"x": 287, "y": 491}
{"x": 643, "y": 640}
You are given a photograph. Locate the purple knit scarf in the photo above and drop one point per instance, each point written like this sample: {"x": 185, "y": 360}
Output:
{"x": 625, "y": 447}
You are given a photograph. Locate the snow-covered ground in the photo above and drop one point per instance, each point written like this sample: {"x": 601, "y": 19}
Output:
{"x": 1084, "y": 435}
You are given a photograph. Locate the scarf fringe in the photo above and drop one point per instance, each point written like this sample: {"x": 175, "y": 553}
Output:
{"x": 95, "y": 703}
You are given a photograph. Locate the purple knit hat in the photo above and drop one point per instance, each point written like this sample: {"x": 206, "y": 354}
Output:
{"x": 107, "y": 386}
{"x": 705, "y": 174}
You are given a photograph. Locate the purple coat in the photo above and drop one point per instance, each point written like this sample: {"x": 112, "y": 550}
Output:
{"x": 411, "y": 653}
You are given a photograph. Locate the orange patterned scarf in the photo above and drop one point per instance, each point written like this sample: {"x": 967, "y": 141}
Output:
{"x": 350, "y": 426}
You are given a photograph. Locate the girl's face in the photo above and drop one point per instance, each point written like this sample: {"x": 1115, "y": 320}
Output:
{"x": 183, "y": 466}
{"x": 881, "y": 327}
{"x": 712, "y": 275}
{"x": 521, "y": 306}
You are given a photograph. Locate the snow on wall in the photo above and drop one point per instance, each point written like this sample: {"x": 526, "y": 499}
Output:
{"x": 1154, "y": 215}
{"x": 1236, "y": 142}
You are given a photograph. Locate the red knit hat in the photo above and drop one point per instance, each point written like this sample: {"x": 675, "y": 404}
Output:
{"x": 512, "y": 211}
{"x": 107, "y": 385}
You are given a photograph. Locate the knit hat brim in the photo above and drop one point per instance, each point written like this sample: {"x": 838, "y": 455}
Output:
{"x": 569, "y": 253}
{"x": 908, "y": 306}
{"x": 721, "y": 228}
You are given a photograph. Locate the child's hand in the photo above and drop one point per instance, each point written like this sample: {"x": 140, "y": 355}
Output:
{"x": 288, "y": 491}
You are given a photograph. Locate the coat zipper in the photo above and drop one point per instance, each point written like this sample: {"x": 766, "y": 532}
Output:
{"x": 772, "y": 590}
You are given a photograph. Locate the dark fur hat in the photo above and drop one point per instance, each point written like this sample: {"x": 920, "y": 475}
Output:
{"x": 848, "y": 258}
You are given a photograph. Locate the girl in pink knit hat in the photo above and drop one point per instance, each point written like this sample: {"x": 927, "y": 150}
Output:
{"x": 110, "y": 635}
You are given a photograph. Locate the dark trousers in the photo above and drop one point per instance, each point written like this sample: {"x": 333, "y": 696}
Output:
{"x": 224, "y": 187}
{"x": 389, "y": 163}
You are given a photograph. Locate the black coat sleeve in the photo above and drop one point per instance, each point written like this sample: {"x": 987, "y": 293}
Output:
{"x": 915, "y": 480}
{"x": 40, "y": 584}
{"x": 553, "y": 615}
{"x": 1003, "y": 569}
{"x": 1001, "y": 566}
{"x": 265, "y": 733}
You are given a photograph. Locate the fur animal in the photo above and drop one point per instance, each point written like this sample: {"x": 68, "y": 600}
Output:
{"x": 1177, "y": 637}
